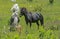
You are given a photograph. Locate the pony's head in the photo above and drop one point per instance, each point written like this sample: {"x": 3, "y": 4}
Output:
{"x": 23, "y": 11}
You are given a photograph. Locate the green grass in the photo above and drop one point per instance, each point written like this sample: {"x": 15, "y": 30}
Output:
{"x": 51, "y": 15}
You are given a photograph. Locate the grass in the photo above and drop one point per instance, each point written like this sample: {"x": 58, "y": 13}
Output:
{"x": 51, "y": 15}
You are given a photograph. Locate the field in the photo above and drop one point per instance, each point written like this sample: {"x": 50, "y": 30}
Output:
{"x": 51, "y": 14}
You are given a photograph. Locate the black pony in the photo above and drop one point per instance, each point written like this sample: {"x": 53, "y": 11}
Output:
{"x": 31, "y": 17}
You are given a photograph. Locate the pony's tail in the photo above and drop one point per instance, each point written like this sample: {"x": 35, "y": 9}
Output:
{"x": 41, "y": 19}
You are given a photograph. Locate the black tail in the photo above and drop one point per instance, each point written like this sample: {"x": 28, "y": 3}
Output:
{"x": 41, "y": 19}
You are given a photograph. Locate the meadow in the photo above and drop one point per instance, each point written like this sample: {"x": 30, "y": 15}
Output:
{"x": 51, "y": 14}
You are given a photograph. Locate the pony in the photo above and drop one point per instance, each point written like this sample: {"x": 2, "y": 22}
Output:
{"x": 14, "y": 20}
{"x": 31, "y": 17}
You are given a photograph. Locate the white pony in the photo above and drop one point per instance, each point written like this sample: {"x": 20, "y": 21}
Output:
{"x": 14, "y": 20}
{"x": 15, "y": 8}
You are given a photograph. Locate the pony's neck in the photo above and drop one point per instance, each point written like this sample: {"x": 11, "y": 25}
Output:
{"x": 26, "y": 14}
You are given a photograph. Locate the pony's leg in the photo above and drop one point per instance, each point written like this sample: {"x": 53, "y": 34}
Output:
{"x": 26, "y": 28}
{"x": 37, "y": 24}
{"x": 27, "y": 23}
{"x": 10, "y": 29}
{"x": 30, "y": 24}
